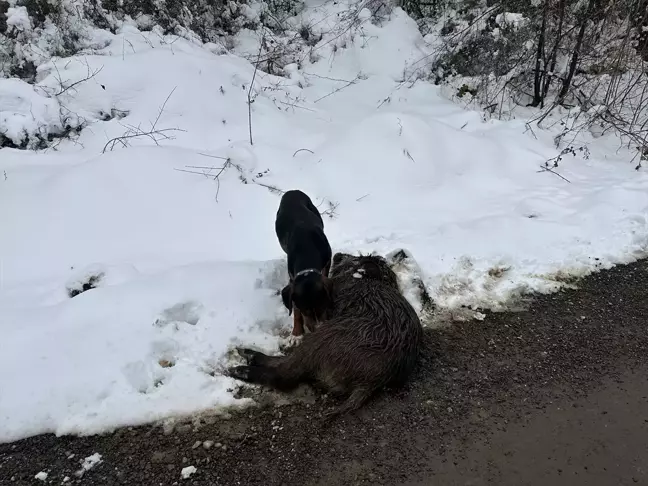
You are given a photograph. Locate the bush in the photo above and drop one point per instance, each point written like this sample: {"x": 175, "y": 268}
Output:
{"x": 587, "y": 55}
{"x": 64, "y": 27}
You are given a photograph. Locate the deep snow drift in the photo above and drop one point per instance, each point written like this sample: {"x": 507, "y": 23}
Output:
{"x": 184, "y": 258}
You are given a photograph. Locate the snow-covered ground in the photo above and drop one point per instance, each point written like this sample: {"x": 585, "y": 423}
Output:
{"x": 187, "y": 265}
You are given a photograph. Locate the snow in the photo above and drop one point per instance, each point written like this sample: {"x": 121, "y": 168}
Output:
{"x": 91, "y": 461}
{"x": 129, "y": 272}
{"x": 515, "y": 20}
{"x": 18, "y": 19}
{"x": 24, "y": 112}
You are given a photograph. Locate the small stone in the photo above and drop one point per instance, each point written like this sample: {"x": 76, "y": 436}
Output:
{"x": 208, "y": 444}
{"x": 41, "y": 476}
{"x": 196, "y": 445}
{"x": 188, "y": 471}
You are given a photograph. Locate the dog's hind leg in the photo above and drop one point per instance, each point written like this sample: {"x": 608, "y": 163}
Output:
{"x": 356, "y": 399}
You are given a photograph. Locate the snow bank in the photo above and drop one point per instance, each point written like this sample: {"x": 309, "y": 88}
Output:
{"x": 136, "y": 256}
{"x": 26, "y": 114}
{"x": 135, "y": 352}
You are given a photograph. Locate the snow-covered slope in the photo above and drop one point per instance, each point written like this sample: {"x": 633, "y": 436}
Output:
{"x": 184, "y": 256}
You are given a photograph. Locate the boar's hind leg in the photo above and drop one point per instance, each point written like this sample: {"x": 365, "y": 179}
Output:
{"x": 282, "y": 378}
{"x": 356, "y": 399}
{"x": 256, "y": 358}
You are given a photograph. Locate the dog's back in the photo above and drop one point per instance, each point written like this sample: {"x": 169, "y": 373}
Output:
{"x": 296, "y": 210}
{"x": 371, "y": 339}
{"x": 300, "y": 230}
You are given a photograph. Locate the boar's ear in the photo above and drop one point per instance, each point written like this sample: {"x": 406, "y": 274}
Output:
{"x": 337, "y": 259}
{"x": 286, "y": 296}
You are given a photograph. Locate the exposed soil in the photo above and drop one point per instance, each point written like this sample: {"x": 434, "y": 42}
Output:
{"x": 556, "y": 394}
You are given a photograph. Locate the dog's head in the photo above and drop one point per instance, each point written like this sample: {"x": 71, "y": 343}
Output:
{"x": 310, "y": 292}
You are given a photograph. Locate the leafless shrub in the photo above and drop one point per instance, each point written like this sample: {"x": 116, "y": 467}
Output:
{"x": 582, "y": 64}
{"x": 154, "y": 133}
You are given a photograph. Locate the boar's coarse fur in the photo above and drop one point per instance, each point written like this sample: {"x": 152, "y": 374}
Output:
{"x": 370, "y": 339}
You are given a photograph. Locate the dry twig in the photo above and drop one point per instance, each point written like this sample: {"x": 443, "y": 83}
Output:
{"x": 249, "y": 93}
{"x": 303, "y": 150}
{"x": 154, "y": 133}
{"x": 548, "y": 169}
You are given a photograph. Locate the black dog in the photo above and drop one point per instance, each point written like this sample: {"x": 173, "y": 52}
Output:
{"x": 300, "y": 229}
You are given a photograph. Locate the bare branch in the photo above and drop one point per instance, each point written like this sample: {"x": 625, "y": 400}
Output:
{"x": 209, "y": 175}
{"x": 214, "y": 156}
{"x": 161, "y": 110}
{"x": 89, "y": 76}
{"x": 303, "y": 150}
{"x": 155, "y": 134}
{"x": 548, "y": 169}
{"x": 354, "y": 81}
{"x": 249, "y": 93}
{"x": 151, "y": 134}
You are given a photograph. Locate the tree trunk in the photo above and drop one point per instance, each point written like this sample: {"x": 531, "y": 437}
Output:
{"x": 539, "y": 72}
{"x": 576, "y": 54}
{"x": 554, "y": 52}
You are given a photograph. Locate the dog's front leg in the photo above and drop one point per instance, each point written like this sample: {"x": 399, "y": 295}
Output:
{"x": 298, "y": 328}
{"x": 298, "y": 322}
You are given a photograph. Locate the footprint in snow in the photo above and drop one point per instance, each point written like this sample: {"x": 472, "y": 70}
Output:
{"x": 188, "y": 312}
